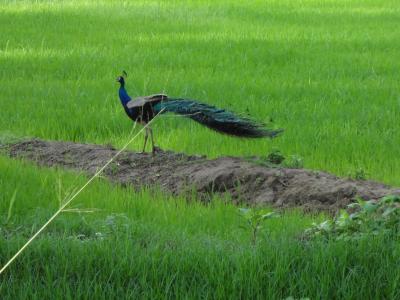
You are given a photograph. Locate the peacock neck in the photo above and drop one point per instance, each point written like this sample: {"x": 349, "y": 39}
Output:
{"x": 123, "y": 95}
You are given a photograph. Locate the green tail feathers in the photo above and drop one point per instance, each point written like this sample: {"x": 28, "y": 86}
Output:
{"x": 217, "y": 119}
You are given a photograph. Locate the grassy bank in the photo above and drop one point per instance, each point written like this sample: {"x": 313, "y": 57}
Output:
{"x": 138, "y": 245}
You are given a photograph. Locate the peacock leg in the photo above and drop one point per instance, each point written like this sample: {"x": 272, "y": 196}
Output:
{"x": 152, "y": 140}
{"x": 146, "y": 135}
{"x": 155, "y": 148}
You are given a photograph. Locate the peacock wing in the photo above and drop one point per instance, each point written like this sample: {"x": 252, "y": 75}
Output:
{"x": 141, "y": 101}
{"x": 137, "y": 102}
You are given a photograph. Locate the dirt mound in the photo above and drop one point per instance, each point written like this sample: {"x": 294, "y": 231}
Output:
{"x": 179, "y": 173}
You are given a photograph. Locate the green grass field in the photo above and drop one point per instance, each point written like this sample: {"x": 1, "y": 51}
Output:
{"x": 326, "y": 71}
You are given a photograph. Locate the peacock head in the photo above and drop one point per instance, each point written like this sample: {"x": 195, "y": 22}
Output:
{"x": 121, "y": 79}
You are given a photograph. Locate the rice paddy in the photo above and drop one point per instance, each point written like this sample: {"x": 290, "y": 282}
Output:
{"x": 325, "y": 71}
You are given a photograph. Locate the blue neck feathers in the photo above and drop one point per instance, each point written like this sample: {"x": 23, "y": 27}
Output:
{"x": 123, "y": 95}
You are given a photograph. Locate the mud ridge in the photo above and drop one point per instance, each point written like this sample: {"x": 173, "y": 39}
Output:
{"x": 178, "y": 173}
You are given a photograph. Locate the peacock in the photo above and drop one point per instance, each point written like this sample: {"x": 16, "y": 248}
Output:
{"x": 144, "y": 109}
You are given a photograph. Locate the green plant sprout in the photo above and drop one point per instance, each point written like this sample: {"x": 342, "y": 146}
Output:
{"x": 255, "y": 220}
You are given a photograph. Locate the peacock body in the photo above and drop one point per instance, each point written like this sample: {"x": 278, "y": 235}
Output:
{"x": 144, "y": 109}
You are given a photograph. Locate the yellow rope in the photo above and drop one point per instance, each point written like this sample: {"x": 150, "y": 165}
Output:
{"x": 74, "y": 196}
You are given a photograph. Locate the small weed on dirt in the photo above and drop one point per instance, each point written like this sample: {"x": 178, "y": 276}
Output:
{"x": 294, "y": 162}
{"x": 358, "y": 174}
{"x": 275, "y": 157}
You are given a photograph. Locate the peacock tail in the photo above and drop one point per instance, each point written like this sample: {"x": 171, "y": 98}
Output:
{"x": 217, "y": 119}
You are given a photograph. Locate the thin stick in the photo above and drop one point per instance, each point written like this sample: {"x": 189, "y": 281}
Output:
{"x": 73, "y": 197}
{"x": 183, "y": 115}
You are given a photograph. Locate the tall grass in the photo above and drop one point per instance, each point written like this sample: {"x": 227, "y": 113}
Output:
{"x": 326, "y": 71}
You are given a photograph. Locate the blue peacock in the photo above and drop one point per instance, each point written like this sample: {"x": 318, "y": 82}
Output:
{"x": 144, "y": 109}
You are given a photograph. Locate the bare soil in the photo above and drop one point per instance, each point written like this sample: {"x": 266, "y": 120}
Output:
{"x": 177, "y": 173}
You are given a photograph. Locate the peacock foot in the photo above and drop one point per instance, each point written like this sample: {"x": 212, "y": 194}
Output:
{"x": 156, "y": 149}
